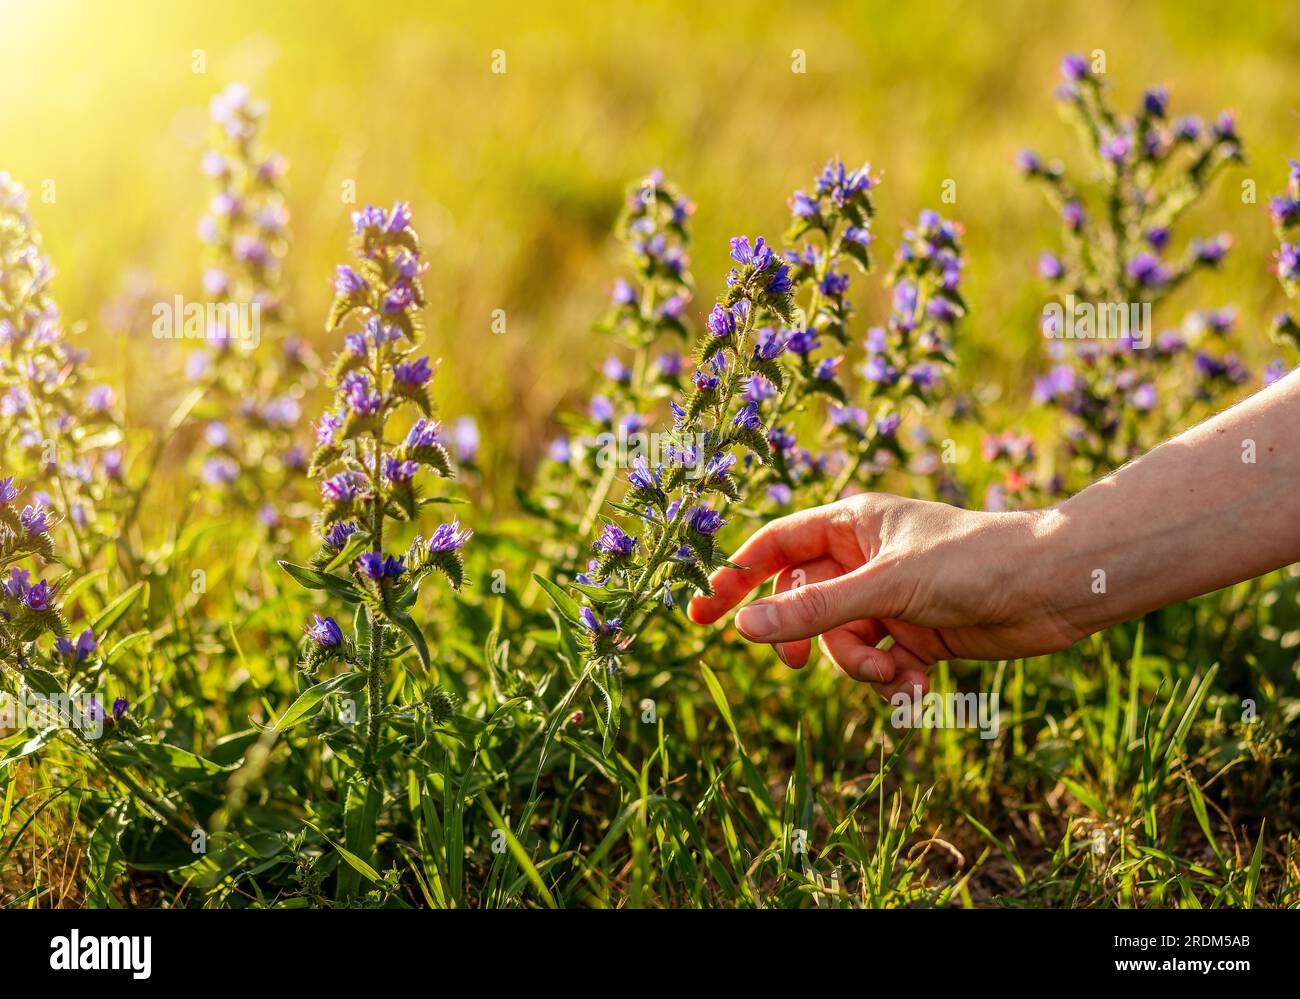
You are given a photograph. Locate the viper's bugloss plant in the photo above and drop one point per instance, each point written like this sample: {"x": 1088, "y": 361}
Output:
{"x": 902, "y": 363}
{"x": 252, "y": 452}
{"x": 1122, "y": 389}
{"x": 754, "y": 367}
{"x": 31, "y": 609}
{"x": 59, "y": 430}
{"x": 370, "y": 472}
{"x": 648, "y": 318}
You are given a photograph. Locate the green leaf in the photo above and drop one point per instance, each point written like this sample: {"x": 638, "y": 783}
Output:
{"x": 346, "y": 554}
{"x": 720, "y": 699}
{"x": 305, "y": 705}
{"x": 83, "y": 583}
{"x": 126, "y": 644}
{"x": 170, "y": 762}
{"x": 564, "y": 603}
{"x": 517, "y": 851}
{"x": 404, "y": 621}
{"x": 314, "y": 580}
{"x": 111, "y": 614}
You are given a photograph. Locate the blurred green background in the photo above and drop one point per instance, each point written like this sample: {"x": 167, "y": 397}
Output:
{"x": 516, "y": 178}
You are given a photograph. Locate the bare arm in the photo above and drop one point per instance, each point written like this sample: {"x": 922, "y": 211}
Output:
{"x": 1215, "y": 505}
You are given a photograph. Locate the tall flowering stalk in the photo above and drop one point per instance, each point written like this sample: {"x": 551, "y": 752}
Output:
{"x": 903, "y": 362}
{"x": 57, "y": 427}
{"x": 648, "y": 314}
{"x": 370, "y": 472}
{"x": 677, "y": 501}
{"x": 1118, "y": 249}
{"x": 755, "y": 375}
{"x": 251, "y": 448}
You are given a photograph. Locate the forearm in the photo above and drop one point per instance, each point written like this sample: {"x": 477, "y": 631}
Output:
{"x": 1218, "y": 504}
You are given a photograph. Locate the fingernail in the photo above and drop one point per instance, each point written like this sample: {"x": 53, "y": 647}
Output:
{"x": 756, "y": 621}
{"x": 780, "y": 654}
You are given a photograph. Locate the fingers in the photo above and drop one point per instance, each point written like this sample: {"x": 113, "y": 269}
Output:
{"x": 795, "y": 654}
{"x": 853, "y": 649}
{"x": 787, "y": 541}
{"x": 813, "y": 609}
{"x": 911, "y": 671}
{"x": 913, "y": 682}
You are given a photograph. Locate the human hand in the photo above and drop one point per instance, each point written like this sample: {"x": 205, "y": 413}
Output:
{"x": 942, "y": 582}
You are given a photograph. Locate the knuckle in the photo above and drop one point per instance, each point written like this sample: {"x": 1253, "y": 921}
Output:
{"x": 810, "y": 605}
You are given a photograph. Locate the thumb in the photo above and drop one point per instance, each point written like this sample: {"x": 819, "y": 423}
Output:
{"x": 815, "y": 608}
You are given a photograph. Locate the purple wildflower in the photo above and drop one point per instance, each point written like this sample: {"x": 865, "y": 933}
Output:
{"x": 338, "y": 534}
{"x": 802, "y": 342}
{"x": 38, "y": 596}
{"x": 1211, "y": 251}
{"x": 324, "y": 631}
{"x": 748, "y": 419}
{"x": 624, "y": 294}
{"x": 375, "y": 566}
{"x": 641, "y": 477}
{"x": 412, "y": 373}
{"x": 347, "y": 281}
{"x": 887, "y": 425}
{"x": 1155, "y": 102}
{"x": 358, "y": 396}
{"x": 613, "y": 541}
{"x": 1288, "y": 262}
{"x": 593, "y": 623}
{"x": 341, "y": 488}
{"x": 399, "y": 471}
{"x": 16, "y": 585}
{"x": 449, "y": 537}
{"x": 34, "y": 519}
{"x": 219, "y": 470}
{"x": 705, "y": 521}
{"x": 465, "y": 438}
{"x": 423, "y": 433}
{"x": 670, "y": 364}
{"x": 1074, "y": 68}
{"x": 1147, "y": 270}
{"x": 721, "y": 322}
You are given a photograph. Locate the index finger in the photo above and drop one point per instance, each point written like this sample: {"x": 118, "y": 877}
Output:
{"x": 799, "y": 537}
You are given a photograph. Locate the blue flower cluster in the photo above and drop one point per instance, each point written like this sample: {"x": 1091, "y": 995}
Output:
{"x": 1121, "y": 379}
{"x": 252, "y": 453}
{"x": 367, "y": 481}
{"x": 60, "y": 433}
{"x": 756, "y": 367}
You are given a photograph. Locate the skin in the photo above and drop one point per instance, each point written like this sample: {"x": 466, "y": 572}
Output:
{"x": 933, "y": 582}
